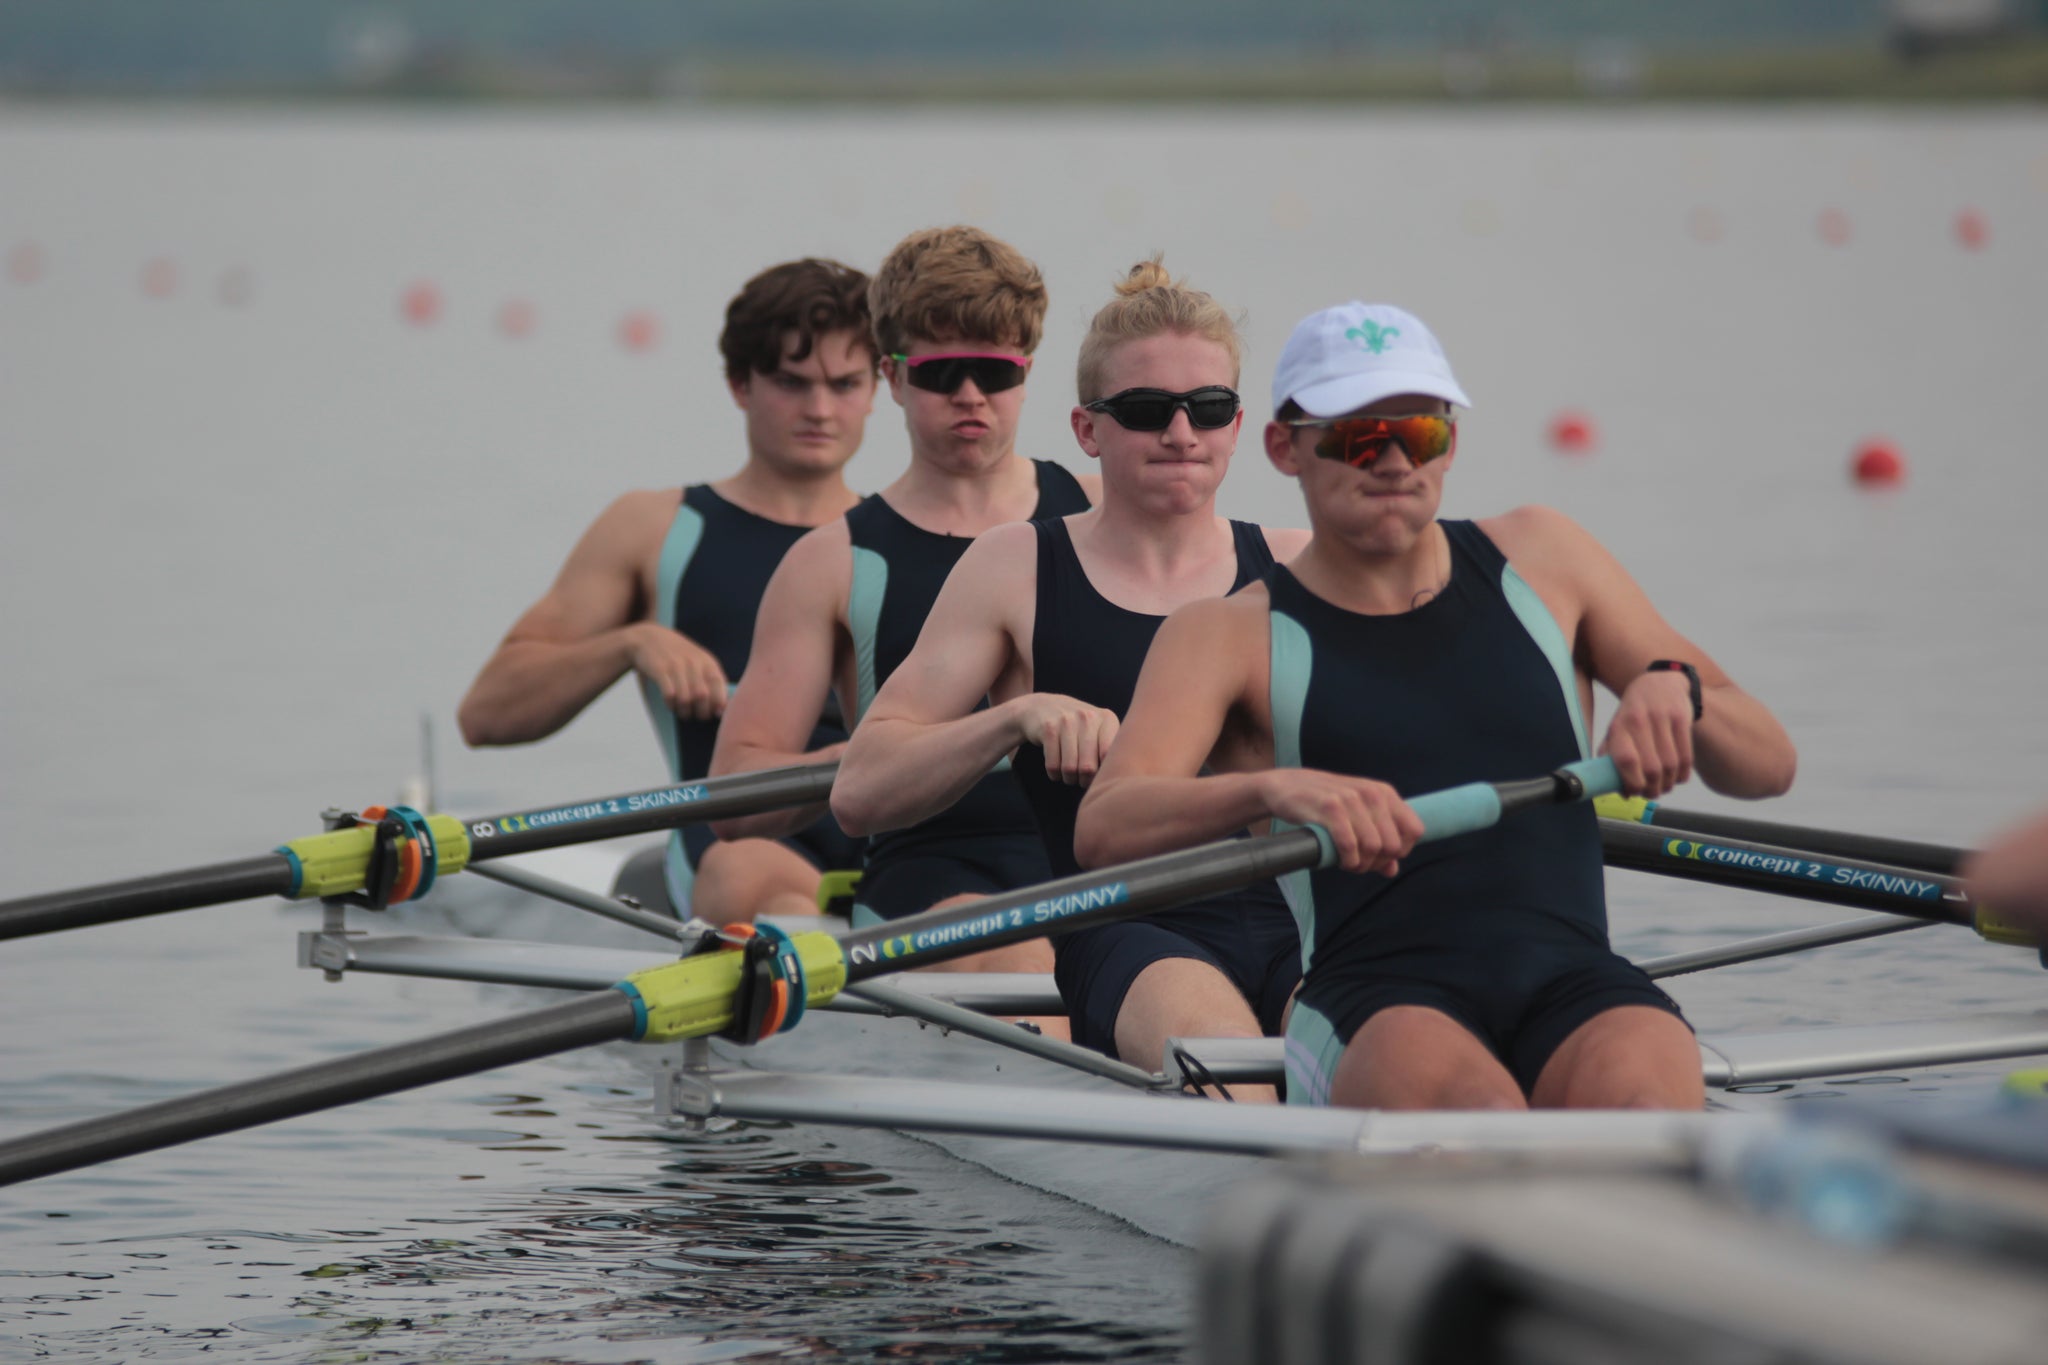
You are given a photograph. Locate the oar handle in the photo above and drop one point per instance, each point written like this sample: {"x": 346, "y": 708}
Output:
{"x": 1171, "y": 879}
{"x": 1479, "y": 805}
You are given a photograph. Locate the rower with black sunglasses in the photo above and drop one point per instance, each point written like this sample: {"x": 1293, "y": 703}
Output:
{"x": 957, "y": 314}
{"x": 1049, "y": 622}
{"x": 1402, "y": 653}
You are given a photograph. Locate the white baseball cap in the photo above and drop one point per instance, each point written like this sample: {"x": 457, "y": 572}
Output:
{"x": 1343, "y": 358}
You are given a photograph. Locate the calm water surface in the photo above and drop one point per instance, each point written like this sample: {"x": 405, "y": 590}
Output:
{"x": 253, "y": 522}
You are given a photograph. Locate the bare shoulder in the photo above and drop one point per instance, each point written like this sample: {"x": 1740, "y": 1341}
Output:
{"x": 631, "y": 528}
{"x": 1533, "y": 529}
{"x": 1285, "y": 542}
{"x": 1222, "y": 626}
{"x": 815, "y": 574}
{"x": 1091, "y": 484}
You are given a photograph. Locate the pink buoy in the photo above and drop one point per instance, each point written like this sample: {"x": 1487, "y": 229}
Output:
{"x": 421, "y": 304}
{"x": 515, "y": 319}
{"x": 1571, "y": 433}
{"x": 160, "y": 278}
{"x": 25, "y": 263}
{"x": 1833, "y": 227}
{"x": 1972, "y": 232}
{"x": 639, "y": 331}
{"x": 1878, "y": 464}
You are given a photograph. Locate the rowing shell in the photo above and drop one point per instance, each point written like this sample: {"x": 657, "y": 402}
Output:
{"x": 876, "y": 1062}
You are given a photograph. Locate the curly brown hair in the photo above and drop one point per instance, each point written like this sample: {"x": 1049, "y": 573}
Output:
{"x": 958, "y": 284}
{"x": 810, "y": 297}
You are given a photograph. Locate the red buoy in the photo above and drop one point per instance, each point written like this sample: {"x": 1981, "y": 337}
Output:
{"x": 25, "y": 263}
{"x": 421, "y": 304}
{"x": 1571, "y": 433}
{"x": 1972, "y": 232}
{"x": 160, "y": 278}
{"x": 1878, "y": 464}
{"x": 515, "y": 319}
{"x": 639, "y": 331}
{"x": 1834, "y": 227}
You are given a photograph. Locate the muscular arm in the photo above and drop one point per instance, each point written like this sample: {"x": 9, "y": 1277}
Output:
{"x": 923, "y": 744}
{"x": 1738, "y": 746}
{"x": 790, "y": 671}
{"x": 586, "y": 632}
{"x": 1204, "y": 676}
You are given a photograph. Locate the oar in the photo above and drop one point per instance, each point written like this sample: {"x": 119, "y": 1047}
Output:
{"x": 699, "y": 995}
{"x": 1825, "y": 843}
{"x": 1698, "y": 856}
{"x": 337, "y": 862}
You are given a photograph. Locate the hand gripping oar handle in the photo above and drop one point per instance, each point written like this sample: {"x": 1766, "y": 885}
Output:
{"x": 338, "y": 861}
{"x": 1175, "y": 878}
{"x": 696, "y": 996}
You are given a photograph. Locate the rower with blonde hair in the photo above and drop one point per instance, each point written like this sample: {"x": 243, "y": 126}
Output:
{"x": 1050, "y": 620}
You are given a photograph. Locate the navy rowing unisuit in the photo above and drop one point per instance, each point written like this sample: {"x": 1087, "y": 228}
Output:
{"x": 1505, "y": 929}
{"x": 986, "y": 842}
{"x": 714, "y": 567}
{"x": 1087, "y": 647}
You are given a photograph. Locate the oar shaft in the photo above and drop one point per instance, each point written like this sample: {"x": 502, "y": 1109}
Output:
{"x": 1698, "y": 856}
{"x": 1869, "y": 848}
{"x": 1160, "y": 883}
{"x": 610, "y": 817}
{"x": 267, "y": 875}
{"x": 594, "y": 1018}
{"x": 1072, "y": 903}
{"x": 496, "y": 836}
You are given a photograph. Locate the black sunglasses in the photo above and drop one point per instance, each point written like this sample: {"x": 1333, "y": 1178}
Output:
{"x": 1208, "y": 407}
{"x": 947, "y": 371}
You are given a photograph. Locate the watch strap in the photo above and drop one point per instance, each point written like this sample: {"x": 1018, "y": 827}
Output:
{"x": 1692, "y": 679}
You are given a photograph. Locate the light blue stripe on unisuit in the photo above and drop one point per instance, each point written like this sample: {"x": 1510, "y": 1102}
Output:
{"x": 1544, "y": 630}
{"x": 678, "y": 548}
{"x": 1292, "y": 661}
{"x": 1311, "y": 1055}
{"x": 685, "y": 533}
{"x": 862, "y": 917}
{"x": 864, "y": 620}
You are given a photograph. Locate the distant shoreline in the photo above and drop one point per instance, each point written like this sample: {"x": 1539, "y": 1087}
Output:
{"x": 2012, "y": 69}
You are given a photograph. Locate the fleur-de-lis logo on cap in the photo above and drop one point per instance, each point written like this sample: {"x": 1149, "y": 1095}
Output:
{"x": 1372, "y": 336}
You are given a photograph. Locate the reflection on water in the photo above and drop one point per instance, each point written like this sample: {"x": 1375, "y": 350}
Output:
{"x": 750, "y": 1244}
{"x": 245, "y": 546}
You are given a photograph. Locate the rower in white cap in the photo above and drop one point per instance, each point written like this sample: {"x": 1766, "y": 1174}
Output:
{"x": 1402, "y": 653}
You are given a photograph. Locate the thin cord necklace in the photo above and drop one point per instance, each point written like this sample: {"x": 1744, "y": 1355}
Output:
{"x": 1444, "y": 582}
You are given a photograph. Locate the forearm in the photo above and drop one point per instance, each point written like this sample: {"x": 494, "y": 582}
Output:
{"x": 1137, "y": 816}
{"x": 1739, "y": 749}
{"x": 531, "y": 688}
{"x": 747, "y": 758}
{"x": 898, "y": 771}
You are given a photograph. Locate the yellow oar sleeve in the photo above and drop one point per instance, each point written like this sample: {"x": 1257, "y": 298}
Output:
{"x": 334, "y": 863}
{"x": 694, "y": 998}
{"x": 1615, "y": 806}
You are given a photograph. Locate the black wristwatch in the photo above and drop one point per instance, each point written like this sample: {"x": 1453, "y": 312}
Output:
{"x": 1692, "y": 678}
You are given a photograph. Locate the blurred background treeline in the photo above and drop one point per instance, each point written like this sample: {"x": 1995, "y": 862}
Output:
{"x": 895, "y": 50}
